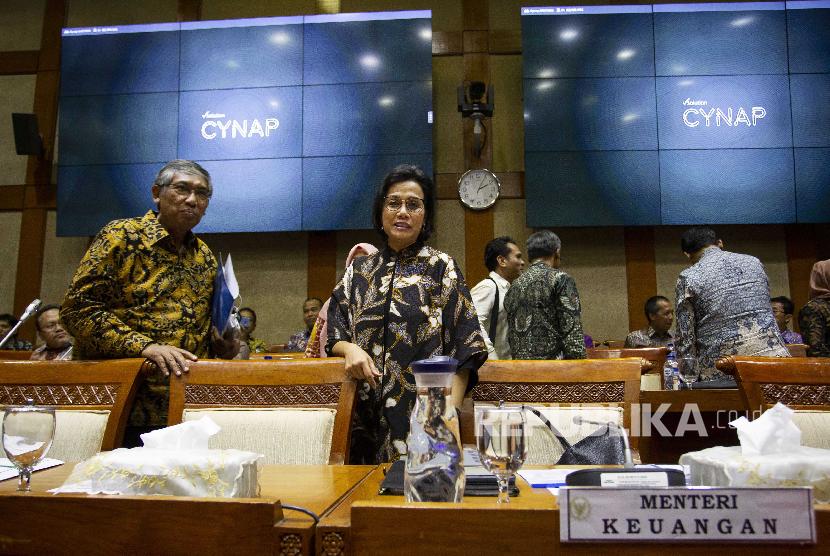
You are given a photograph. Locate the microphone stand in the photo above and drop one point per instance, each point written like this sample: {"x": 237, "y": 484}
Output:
{"x": 28, "y": 312}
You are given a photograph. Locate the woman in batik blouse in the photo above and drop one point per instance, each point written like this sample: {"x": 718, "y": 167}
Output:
{"x": 404, "y": 303}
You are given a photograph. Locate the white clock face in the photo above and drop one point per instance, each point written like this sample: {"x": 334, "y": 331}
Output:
{"x": 478, "y": 189}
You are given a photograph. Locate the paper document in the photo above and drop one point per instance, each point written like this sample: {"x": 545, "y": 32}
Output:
{"x": 9, "y": 471}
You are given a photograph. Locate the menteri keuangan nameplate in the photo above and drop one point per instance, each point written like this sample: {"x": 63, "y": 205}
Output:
{"x": 758, "y": 515}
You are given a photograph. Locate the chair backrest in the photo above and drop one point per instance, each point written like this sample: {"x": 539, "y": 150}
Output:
{"x": 92, "y": 399}
{"x": 801, "y": 383}
{"x": 607, "y": 387}
{"x": 17, "y": 355}
{"x": 654, "y": 355}
{"x": 797, "y": 350}
{"x": 288, "y": 410}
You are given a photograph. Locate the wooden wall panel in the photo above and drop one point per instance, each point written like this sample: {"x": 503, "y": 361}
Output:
{"x": 322, "y": 263}
{"x": 640, "y": 272}
{"x": 801, "y": 255}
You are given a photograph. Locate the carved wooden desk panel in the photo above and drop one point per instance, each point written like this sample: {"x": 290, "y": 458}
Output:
{"x": 368, "y": 523}
{"x": 40, "y": 523}
{"x": 714, "y": 409}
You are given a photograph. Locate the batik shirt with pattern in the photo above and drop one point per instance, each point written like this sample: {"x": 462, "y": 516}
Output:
{"x": 648, "y": 337}
{"x": 544, "y": 315}
{"x": 399, "y": 308}
{"x": 132, "y": 288}
{"x": 723, "y": 309}
{"x": 814, "y": 321}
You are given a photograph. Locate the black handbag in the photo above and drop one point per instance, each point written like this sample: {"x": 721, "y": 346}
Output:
{"x": 602, "y": 447}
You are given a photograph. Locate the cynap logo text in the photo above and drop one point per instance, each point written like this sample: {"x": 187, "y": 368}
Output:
{"x": 216, "y": 125}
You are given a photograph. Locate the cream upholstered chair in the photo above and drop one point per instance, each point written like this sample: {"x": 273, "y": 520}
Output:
{"x": 597, "y": 390}
{"x": 292, "y": 411}
{"x": 92, "y": 400}
{"x": 801, "y": 383}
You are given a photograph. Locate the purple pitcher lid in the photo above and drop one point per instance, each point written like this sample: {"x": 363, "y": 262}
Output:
{"x": 435, "y": 364}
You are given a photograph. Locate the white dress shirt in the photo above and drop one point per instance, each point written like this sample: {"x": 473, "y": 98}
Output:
{"x": 484, "y": 294}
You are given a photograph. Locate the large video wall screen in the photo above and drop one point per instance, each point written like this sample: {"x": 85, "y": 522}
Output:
{"x": 296, "y": 118}
{"x": 677, "y": 114}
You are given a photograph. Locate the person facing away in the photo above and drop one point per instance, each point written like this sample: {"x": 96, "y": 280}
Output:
{"x": 299, "y": 340}
{"x": 543, "y": 309}
{"x": 405, "y": 303}
{"x": 814, "y": 318}
{"x": 503, "y": 259}
{"x": 782, "y": 310}
{"x": 722, "y": 305}
{"x": 57, "y": 344}
{"x": 7, "y": 322}
{"x": 143, "y": 289}
{"x": 319, "y": 334}
{"x": 660, "y": 316}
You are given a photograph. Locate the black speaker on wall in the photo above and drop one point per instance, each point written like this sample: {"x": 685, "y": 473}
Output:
{"x": 26, "y": 134}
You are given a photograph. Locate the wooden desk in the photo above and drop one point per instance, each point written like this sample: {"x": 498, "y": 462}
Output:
{"x": 42, "y": 523}
{"x": 367, "y": 523}
{"x": 717, "y": 407}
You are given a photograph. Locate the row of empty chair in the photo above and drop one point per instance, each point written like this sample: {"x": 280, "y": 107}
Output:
{"x": 299, "y": 411}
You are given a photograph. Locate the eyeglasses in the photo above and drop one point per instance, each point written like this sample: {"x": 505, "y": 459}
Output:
{"x": 183, "y": 190}
{"x": 412, "y": 204}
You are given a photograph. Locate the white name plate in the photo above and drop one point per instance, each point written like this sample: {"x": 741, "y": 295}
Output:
{"x": 696, "y": 514}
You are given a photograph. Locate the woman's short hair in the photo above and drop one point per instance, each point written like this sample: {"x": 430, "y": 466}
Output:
{"x": 399, "y": 174}
{"x": 542, "y": 244}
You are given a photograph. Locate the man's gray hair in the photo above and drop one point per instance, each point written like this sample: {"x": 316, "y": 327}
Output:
{"x": 542, "y": 244}
{"x": 165, "y": 175}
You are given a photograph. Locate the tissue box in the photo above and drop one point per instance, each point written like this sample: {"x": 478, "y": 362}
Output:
{"x": 726, "y": 467}
{"x": 198, "y": 473}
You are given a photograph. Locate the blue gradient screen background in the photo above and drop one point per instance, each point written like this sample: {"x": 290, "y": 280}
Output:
{"x": 677, "y": 114}
{"x": 296, "y": 118}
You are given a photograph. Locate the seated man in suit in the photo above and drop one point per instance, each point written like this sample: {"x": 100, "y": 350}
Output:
{"x": 660, "y": 316}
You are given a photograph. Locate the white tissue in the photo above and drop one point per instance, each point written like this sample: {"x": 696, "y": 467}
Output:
{"x": 772, "y": 433}
{"x": 190, "y": 435}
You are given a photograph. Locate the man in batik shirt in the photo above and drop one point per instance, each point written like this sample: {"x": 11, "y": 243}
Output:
{"x": 660, "y": 315}
{"x": 299, "y": 340}
{"x": 723, "y": 305}
{"x": 144, "y": 287}
{"x": 543, "y": 311}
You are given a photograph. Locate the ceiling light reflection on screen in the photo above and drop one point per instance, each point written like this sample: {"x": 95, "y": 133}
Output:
{"x": 630, "y": 117}
{"x": 546, "y": 73}
{"x": 232, "y": 64}
{"x": 386, "y": 101}
{"x": 273, "y": 103}
{"x": 686, "y": 83}
{"x": 544, "y": 85}
{"x": 425, "y": 33}
{"x": 742, "y": 21}
{"x": 589, "y": 100}
{"x": 527, "y": 116}
{"x": 369, "y": 61}
{"x": 568, "y": 34}
{"x": 279, "y": 37}
{"x": 626, "y": 54}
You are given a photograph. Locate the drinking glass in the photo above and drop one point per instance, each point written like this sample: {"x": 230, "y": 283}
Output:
{"x": 687, "y": 369}
{"x": 500, "y": 436}
{"x": 28, "y": 431}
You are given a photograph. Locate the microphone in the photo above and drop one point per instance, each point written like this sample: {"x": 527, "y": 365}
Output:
{"x": 579, "y": 420}
{"x": 27, "y": 313}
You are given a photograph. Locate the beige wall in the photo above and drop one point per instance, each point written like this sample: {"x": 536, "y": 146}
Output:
{"x": 17, "y": 93}
{"x": 61, "y": 256}
{"x": 10, "y": 234}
